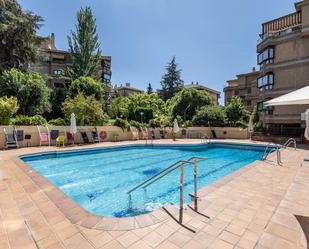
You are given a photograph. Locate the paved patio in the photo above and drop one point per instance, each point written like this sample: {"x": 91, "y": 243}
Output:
{"x": 262, "y": 205}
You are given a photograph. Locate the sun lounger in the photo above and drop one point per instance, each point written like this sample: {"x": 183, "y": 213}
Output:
{"x": 10, "y": 139}
{"x": 95, "y": 135}
{"x": 70, "y": 137}
{"x": 84, "y": 137}
{"x": 145, "y": 134}
{"x": 134, "y": 131}
{"x": 44, "y": 136}
{"x": 162, "y": 134}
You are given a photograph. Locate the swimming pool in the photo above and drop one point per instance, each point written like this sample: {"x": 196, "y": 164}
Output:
{"x": 98, "y": 179}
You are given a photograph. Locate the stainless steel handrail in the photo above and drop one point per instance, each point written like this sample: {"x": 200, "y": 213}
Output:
{"x": 153, "y": 177}
{"x": 267, "y": 152}
{"x": 290, "y": 141}
{"x": 179, "y": 164}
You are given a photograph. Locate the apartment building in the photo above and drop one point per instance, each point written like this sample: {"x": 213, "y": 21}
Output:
{"x": 245, "y": 87}
{"x": 52, "y": 62}
{"x": 215, "y": 95}
{"x": 125, "y": 90}
{"x": 283, "y": 58}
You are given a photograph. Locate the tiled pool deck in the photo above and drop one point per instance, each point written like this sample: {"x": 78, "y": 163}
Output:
{"x": 262, "y": 205}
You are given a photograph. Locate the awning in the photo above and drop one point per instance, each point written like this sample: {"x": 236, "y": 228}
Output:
{"x": 298, "y": 97}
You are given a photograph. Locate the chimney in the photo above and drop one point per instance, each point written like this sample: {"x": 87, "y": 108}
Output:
{"x": 192, "y": 83}
{"x": 128, "y": 84}
{"x": 52, "y": 41}
{"x": 197, "y": 83}
{"x": 253, "y": 69}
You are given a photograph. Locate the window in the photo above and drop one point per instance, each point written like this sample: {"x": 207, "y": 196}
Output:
{"x": 266, "y": 82}
{"x": 260, "y": 106}
{"x": 269, "y": 110}
{"x": 106, "y": 78}
{"x": 267, "y": 55}
{"x": 57, "y": 71}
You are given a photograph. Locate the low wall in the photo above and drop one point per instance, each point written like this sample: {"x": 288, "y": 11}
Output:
{"x": 221, "y": 132}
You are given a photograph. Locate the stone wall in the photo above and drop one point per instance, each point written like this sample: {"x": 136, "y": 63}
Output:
{"x": 192, "y": 132}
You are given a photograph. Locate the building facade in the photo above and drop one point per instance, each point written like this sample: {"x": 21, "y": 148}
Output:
{"x": 283, "y": 58}
{"x": 125, "y": 90}
{"x": 52, "y": 62}
{"x": 215, "y": 95}
{"x": 243, "y": 86}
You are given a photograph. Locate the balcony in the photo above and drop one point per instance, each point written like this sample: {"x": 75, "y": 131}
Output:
{"x": 282, "y": 25}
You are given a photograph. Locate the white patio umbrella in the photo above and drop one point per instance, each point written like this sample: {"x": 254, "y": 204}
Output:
{"x": 73, "y": 128}
{"x": 298, "y": 97}
{"x": 175, "y": 126}
{"x": 307, "y": 125}
{"x": 250, "y": 126}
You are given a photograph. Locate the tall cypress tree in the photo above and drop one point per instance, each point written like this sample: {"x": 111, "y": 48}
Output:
{"x": 149, "y": 89}
{"x": 84, "y": 46}
{"x": 171, "y": 81}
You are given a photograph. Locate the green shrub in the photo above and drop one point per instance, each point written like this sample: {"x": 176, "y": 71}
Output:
{"x": 29, "y": 88}
{"x": 24, "y": 120}
{"x": 187, "y": 124}
{"x": 235, "y": 111}
{"x": 122, "y": 123}
{"x": 209, "y": 115}
{"x": 87, "y": 109}
{"x": 57, "y": 122}
{"x": 8, "y": 108}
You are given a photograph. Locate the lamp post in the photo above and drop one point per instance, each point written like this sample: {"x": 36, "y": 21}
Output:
{"x": 142, "y": 117}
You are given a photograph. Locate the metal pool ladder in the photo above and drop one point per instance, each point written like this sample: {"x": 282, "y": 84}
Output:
{"x": 290, "y": 141}
{"x": 267, "y": 151}
{"x": 277, "y": 148}
{"x": 179, "y": 164}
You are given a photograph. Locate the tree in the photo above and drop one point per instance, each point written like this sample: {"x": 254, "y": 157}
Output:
{"x": 18, "y": 39}
{"x": 84, "y": 46}
{"x": 8, "y": 108}
{"x": 29, "y": 88}
{"x": 171, "y": 81}
{"x": 87, "y": 109}
{"x": 209, "y": 115}
{"x": 57, "y": 97}
{"x": 143, "y": 107}
{"x": 119, "y": 107}
{"x": 138, "y": 107}
{"x": 88, "y": 86}
{"x": 235, "y": 111}
{"x": 149, "y": 89}
{"x": 186, "y": 102}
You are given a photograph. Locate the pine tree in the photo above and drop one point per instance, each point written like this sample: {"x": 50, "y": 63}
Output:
{"x": 149, "y": 89}
{"x": 171, "y": 81}
{"x": 84, "y": 47}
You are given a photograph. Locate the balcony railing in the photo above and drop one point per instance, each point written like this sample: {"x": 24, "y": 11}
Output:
{"x": 289, "y": 22}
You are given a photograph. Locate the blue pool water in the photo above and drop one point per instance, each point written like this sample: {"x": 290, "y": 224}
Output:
{"x": 99, "y": 179}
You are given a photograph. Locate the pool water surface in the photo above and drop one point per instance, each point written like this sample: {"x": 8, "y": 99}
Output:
{"x": 99, "y": 179}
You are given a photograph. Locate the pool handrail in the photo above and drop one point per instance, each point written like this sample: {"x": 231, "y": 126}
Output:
{"x": 267, "y": 152}
{"x": 179, "y": 164}
{"x": 288, "y": 142}
{"x": 164, "y": 170}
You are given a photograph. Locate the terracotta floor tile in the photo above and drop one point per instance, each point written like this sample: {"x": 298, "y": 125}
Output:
{"x": 127, "y": 239}
{"x": 153, "y": 239}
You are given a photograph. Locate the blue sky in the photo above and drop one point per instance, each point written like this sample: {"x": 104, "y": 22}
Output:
{"x": 212, "y": 40}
